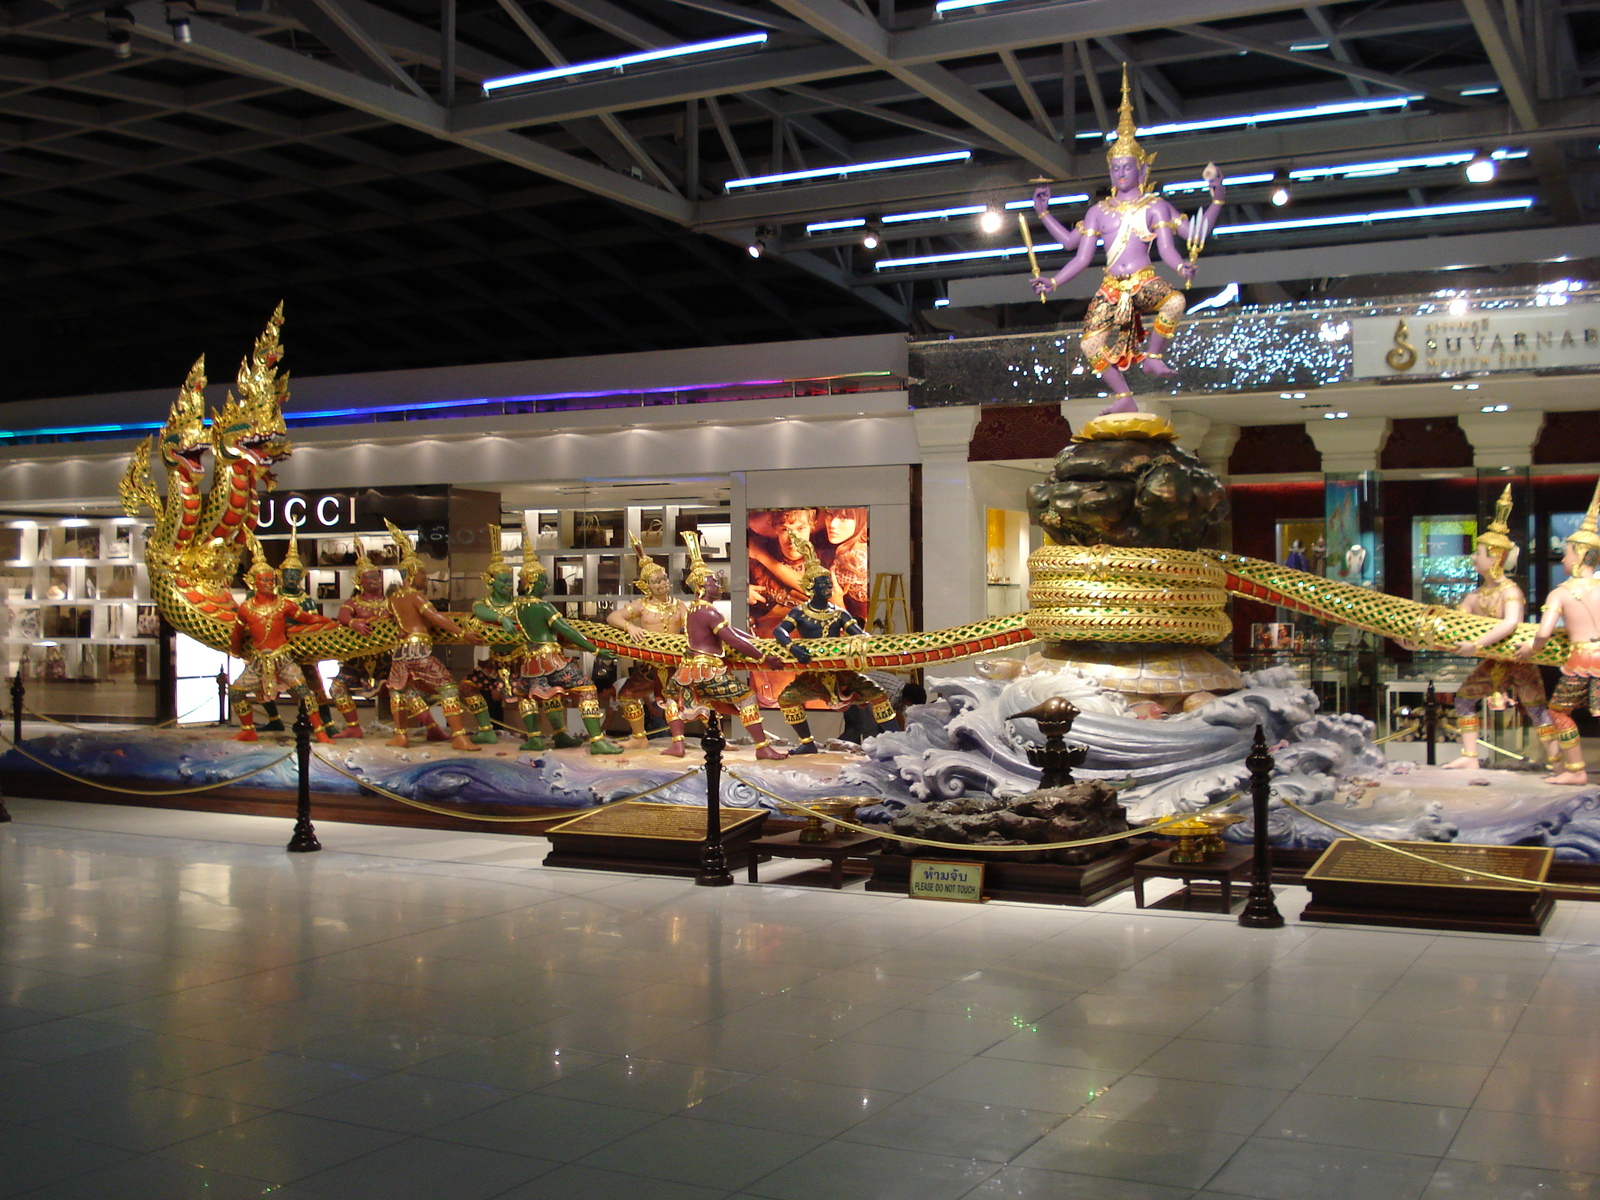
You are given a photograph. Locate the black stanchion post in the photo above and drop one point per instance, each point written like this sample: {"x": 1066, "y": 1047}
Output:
{"x": 222, "y": 696}
{"x": 1261, "y": 909}
{"x": 305, "y": 837}
{"x": 1430, "y": 723}
{"x": 713, "y": 858}
{"x": 18, "y": 692}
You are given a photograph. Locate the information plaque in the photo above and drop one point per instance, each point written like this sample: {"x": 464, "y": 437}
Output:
{"x": 1356, "y": 882}
{"x": 652, "y": 839}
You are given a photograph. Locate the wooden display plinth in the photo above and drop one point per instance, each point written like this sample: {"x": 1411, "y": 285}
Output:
{"x": 1357, "y": 884}
{"x": 650, "y": 839}
{"x": 1034, "y": 882}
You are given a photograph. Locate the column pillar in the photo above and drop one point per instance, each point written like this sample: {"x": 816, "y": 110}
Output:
{"x": 1350, "y": 446}
{"x": 952, "y": 560}
{"x": 1503, "y": 439}
{"x": 1212, "y": 442}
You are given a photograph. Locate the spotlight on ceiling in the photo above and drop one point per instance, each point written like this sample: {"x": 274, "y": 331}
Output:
{"x": 989, "y": 222}
{"x": 761, "y": 243}
{"x": 1481, "y": 169}
{"x": 872, "y": 234}
{"x": 121, "y": 43}
{"x": 1280, "y": 188}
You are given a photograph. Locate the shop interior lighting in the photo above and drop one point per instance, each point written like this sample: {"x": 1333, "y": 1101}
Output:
{"x": 1335, "y": 416}
{"x": 1463, "y": 387}
{"x": 1280, "y": 189}
{"x": 622, "y": 62}
{"x": 1495, "y": 408}
{"x": 1481, "y": 169}
{"x": 839, "y": 172}
{"x": 1393, "y": 214}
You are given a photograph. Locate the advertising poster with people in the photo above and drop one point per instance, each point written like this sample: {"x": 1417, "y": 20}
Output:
{"x": 773, "y": 536}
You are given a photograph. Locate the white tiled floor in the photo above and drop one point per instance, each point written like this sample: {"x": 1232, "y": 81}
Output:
{"x": 188, "y": 1011}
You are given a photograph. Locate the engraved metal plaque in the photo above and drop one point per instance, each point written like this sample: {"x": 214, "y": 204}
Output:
{"x": 669, "y": 822}
{"x": 1351, "y": 861}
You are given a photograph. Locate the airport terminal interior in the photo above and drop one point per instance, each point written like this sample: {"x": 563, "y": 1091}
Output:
{"x": 800, "y": 600}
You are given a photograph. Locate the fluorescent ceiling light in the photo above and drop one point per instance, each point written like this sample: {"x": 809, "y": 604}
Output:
{"x": 933, "y": 214}
{"x": 1200, "y": 185}
{"x": 1480, "y": 91}
{"x": 1302, "y": 46}
{"x": 967, "y": 255}
{"x": 918, "y": 160}
{"x": 941, "y": 302}
{"x": 1348, "y": 170}
{"x": 938, "y": 214}
{"x": 1393, "y": 214}
{"x": 1343, "y": 108}
{"x": 622, "y": 62}
{"x": 944, "y": 6}
{"x": 825, "y": 226}
{"x": 1012, "y": 205}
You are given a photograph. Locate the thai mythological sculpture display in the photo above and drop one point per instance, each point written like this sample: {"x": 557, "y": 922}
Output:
{"x": 367, "y": 674}
{"x": 657, "y": 611}
{"x": 416, "y": 677}
{"x": 292, "y": 586}
{"x": 1128, "y": 221}
{"x": 1576, "y": 603}
{"x": 261, "y": 638}
{"x": 548, "y": 675}
{"x": 703, "y": 676}
{"x": 496, "y": 675}
{"x": 1497, "y": 682}
{"x": 819, "y": 617}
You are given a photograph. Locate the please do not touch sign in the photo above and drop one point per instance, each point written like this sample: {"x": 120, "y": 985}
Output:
{"x": 935, "y": 880}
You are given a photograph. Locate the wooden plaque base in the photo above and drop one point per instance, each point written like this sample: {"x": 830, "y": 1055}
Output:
{"x": 650, "y": 839}
{"x": 1352, "y": 884}
{"x": 1037, "y": 883}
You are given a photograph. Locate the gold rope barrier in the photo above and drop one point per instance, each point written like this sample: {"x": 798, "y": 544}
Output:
{"x": 1433, "y": 862}
{"x": 1027, "y": 848}
{"x": 463, "y": 816}
{"x": 172, "y": 724}
{"x": 83, "y": 779}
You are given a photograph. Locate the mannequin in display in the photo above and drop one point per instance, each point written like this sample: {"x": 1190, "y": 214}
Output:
{"x": 1577, "y": 604}
{"x": 819, "y": 617}
{"x": 1317, "y": 561}
{"x": 1355, "y": 562}
{"x": 261, "y": 638}
{"x": 657, "y": 611}
{"x": 1297, "y": 560}
{"x": 1494, "y": 680}
{"x": 548, "y": 675}
{"x": 702, "y": 675}
{"x": 1128, "y": 221}
{"x": 495, "y": 675}
{"x": 416, "y": 677}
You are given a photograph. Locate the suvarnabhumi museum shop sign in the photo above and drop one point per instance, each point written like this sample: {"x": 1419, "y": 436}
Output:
{"x": 1521, "y": 339}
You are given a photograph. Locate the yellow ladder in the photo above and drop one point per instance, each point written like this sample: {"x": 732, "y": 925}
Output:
{"x": 888, "y": 593}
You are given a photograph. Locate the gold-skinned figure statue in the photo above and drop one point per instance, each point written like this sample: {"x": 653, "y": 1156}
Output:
{"x": 657, "y": 611}
{"x": 1496, "y": 681}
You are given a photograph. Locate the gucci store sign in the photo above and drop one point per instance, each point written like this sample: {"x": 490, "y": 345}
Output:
{"x": 1522, "y": 339}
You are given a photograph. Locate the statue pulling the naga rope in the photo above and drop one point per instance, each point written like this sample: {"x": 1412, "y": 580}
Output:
{"x": 1082, "y": 589}
{"x": 1128, "y": 221}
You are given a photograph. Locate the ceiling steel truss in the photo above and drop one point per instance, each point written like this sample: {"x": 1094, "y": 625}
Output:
{"x": 169, "y": 169}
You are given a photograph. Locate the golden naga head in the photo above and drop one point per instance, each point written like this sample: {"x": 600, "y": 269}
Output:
{"x": 1126, "y": 145}
{"x": 184, "y": 440}
{"x": 252, "y": 427}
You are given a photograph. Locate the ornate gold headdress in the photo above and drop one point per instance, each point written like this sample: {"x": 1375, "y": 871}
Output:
{"x": 258, "y": 558}
{"x": 409, "y": 561}
{"x": 497, "y": 559}
{"x": 1586, "y": 534}
{"x": 363, "y": 563}
{"x": 814, "y": 567}
{"x": 697, "y": 574}
{"x": 649, "y": 568}
{"x": 1126, "y": 145}
{"x": 532, "y": 567}
{"x": 1497, "y": 537}
{"x": 291, "y": 556}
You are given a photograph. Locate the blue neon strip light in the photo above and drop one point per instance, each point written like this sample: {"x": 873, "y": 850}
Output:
{"x": 916, "y": 160}
{"x": 1393, "y": 214}
{"x": 622, "y": 62}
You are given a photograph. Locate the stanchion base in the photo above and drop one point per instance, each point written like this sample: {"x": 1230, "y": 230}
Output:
{"x": 714, "y": 879}
{"x": 304, "y": 840}
{"x": 1261, "y": 909}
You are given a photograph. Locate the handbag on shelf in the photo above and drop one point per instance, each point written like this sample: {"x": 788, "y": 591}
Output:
{"x": 590, "y": 534}
{"x": 650, "y": 535}
{"x": 549, "y": 538}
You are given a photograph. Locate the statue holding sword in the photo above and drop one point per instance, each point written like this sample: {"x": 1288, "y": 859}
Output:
{"x": 1128, "y": 221}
